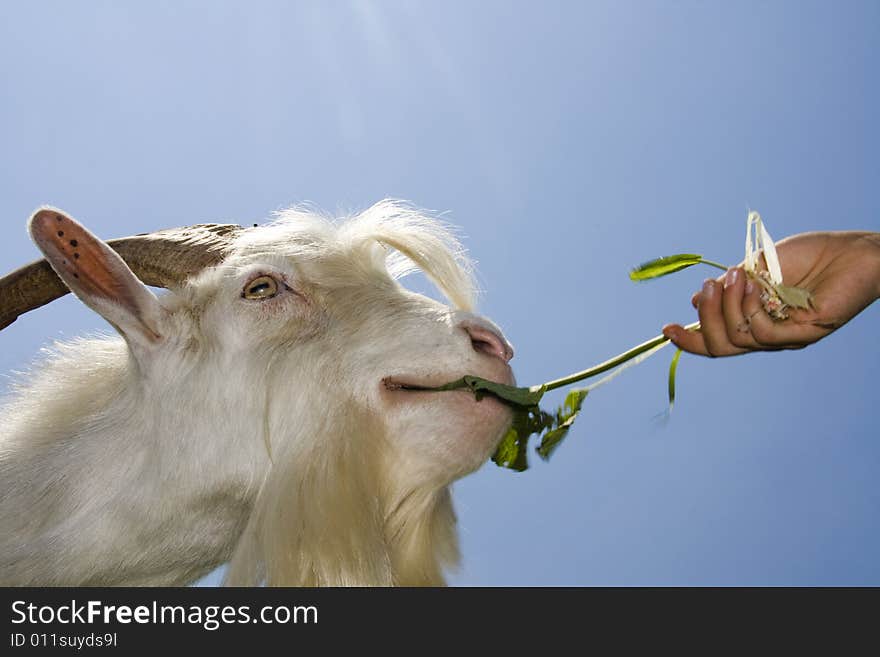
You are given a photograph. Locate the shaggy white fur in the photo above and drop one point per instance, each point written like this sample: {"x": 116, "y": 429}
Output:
{"x": 272, "y": 432}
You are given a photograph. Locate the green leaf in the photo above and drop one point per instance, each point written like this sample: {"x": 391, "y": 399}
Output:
{"x": 512, "y": 453}
{"x": 508, "y": 453}
{"x": 514, "y": 396}
{"x": 664, "y": 266}
{"x": 565, "y": 417}
{"x": 673, "y": 366}
{"x": 518, "y": 396}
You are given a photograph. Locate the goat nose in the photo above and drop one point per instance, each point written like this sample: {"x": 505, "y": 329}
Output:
{"x": 486, "y": 341}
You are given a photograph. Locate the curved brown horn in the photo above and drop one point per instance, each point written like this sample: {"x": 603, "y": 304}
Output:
{"x": 162, "y": 259}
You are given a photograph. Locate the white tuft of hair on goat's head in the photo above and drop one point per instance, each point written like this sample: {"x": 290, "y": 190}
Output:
{"x": 260, "y": 412}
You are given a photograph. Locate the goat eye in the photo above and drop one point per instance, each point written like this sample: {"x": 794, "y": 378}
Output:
{"x": 262, "y": 287}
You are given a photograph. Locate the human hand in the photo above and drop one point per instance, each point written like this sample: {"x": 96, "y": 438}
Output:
{"x": 840, "y": 269}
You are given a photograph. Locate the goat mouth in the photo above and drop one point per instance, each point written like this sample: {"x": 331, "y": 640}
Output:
{"x": 394, "y": 384}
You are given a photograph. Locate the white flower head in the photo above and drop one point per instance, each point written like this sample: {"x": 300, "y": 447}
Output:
{"x": 776, "y": 297}
{"x": 757, "y": 238}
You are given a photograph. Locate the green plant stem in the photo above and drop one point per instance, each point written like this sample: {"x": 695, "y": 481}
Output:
{"x": 611, "y": 363}
{"x": 712, "y": 263}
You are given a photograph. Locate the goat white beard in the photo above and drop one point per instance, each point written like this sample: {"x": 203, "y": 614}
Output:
{"x": 330, "y": 513}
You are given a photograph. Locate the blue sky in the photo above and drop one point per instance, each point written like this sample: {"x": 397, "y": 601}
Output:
{"x": 569, "y": 141}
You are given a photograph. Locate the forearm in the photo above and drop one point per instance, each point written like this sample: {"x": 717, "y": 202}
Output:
{"x": 873, "y": 245}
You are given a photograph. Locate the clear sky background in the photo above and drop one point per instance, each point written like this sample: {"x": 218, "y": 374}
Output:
{"x": 569, "y": 141}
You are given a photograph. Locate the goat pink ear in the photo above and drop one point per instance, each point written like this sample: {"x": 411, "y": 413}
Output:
{"x": 96, "y": 274}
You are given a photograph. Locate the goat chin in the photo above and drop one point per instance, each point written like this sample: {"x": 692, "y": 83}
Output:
{"x": 242, "y": 418}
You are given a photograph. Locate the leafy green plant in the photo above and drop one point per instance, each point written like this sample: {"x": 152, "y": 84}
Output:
{"x": 529, "y": 419}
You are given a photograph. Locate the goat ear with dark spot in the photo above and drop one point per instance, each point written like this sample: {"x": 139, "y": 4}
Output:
{"x": 97, "y": 275}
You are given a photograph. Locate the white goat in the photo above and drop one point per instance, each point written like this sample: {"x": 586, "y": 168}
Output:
{"x": 258, "y": 413}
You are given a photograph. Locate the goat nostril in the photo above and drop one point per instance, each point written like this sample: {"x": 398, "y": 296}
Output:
{"x": 486, "y": 341}
{"x": 483, "y": 347}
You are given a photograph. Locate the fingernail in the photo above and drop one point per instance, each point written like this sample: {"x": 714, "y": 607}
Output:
{"x": 731, "y": 277}
{"x": 750, "y": 286}
{"x": 670, "y": 331}
{"x": 708, "y": 287}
